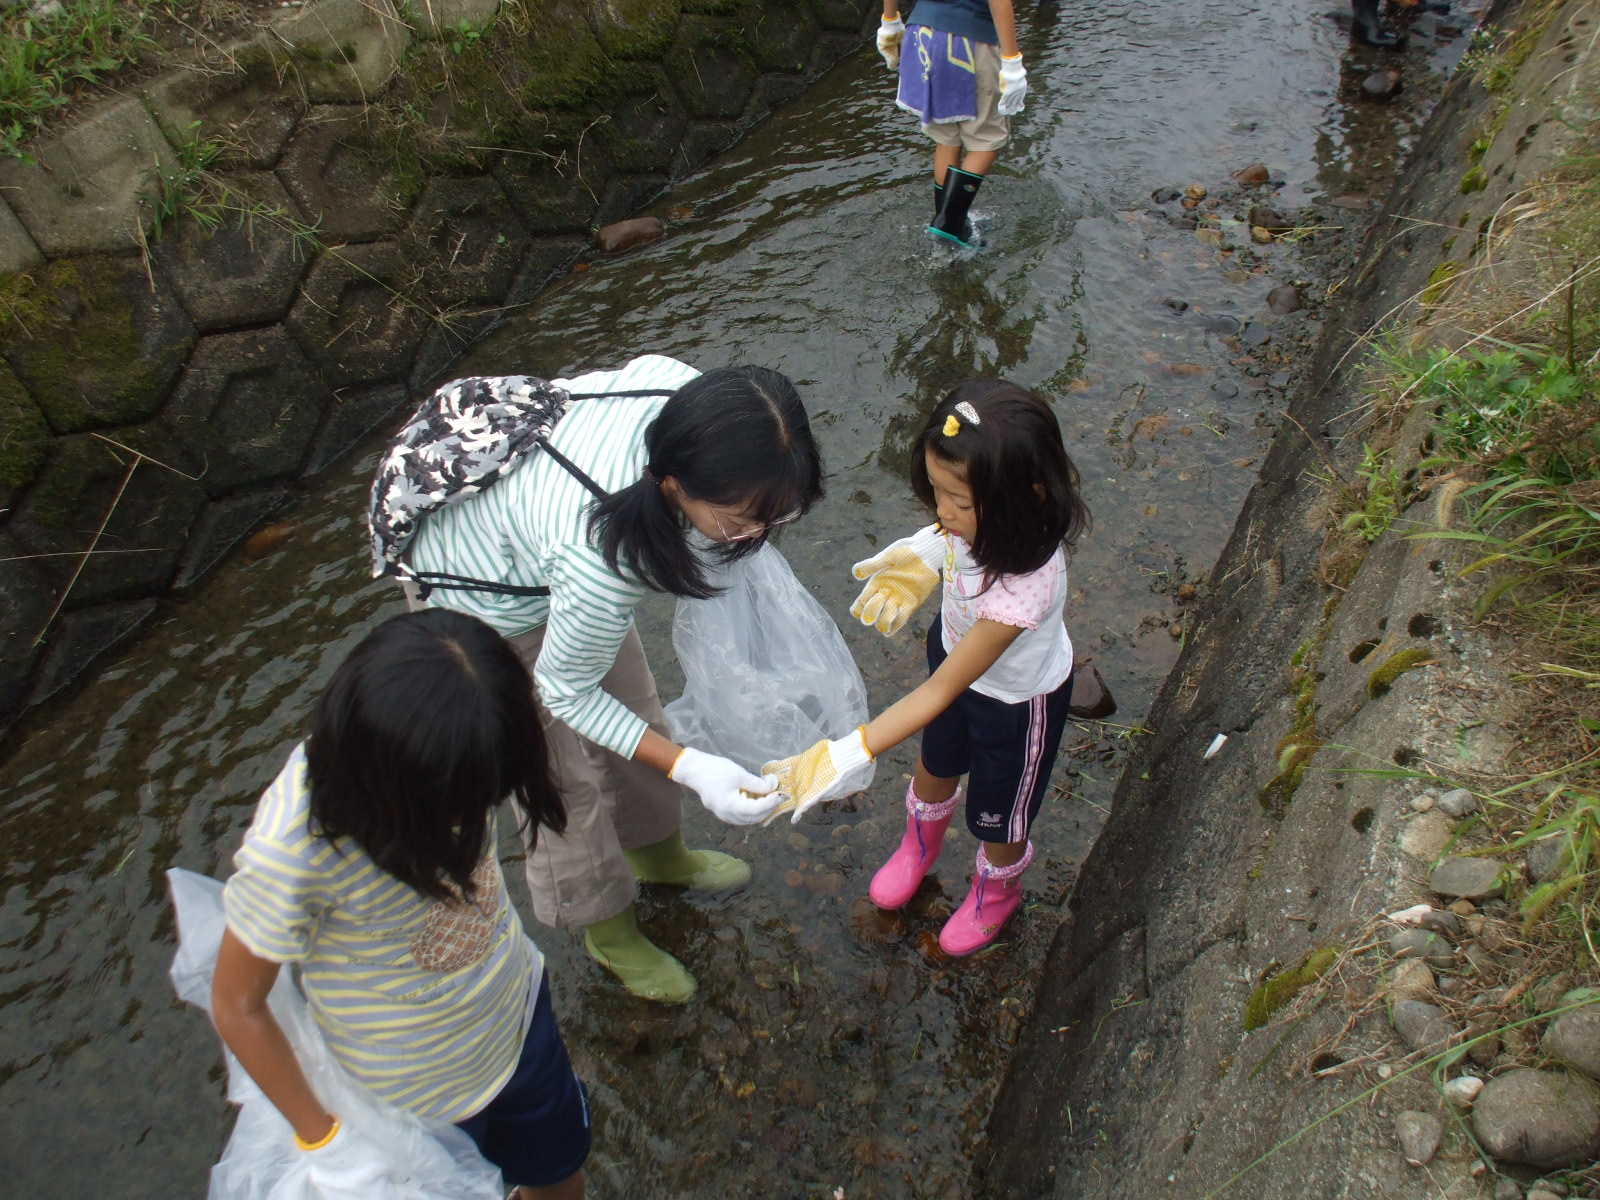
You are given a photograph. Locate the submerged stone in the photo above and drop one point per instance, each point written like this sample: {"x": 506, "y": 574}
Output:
{"x": 625, "y": 235}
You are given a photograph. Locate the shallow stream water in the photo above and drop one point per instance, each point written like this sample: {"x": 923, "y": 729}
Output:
{"x": 829, "y": 1047}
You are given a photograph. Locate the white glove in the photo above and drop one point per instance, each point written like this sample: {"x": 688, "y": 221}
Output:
{"x": 899, "y": 578}
{"x": 889, "y": 35}
{"x": 1013, "y": 86}
{"x": 347, "y": 1167}
{"x": 822, "y": 772}
{"x": 731, "y": 793}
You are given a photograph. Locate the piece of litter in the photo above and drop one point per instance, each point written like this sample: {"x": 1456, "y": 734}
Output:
{"x": 1216, "y": 744}
{"x": 1412, "y": 915}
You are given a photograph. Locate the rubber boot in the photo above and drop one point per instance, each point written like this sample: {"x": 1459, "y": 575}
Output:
{"x": 995, "y": 894}
{"x": 938, "y": 199}
{"x": 670, "y": 861}
{"x": 645, "y": 969}
{"x": 898, "y": 879}
{"x": 1367, "y": 24}
{"x": 951, "y": 220}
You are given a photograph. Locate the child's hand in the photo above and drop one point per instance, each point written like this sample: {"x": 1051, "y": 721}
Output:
{"x": 1013, "y": 86}
{"x": 899, "y": 578}
{"x": 806, "y": 778}
{"x": 731, "y": 793}
{"x": 890, "y": 34}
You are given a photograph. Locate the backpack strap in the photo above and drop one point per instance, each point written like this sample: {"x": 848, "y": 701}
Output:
{"x": 442, "y": 581}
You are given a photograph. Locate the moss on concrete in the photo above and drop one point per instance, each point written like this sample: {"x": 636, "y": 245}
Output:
{"x": 1396, "y": 665}
{"x": 1439, "y": 281}
{"x": 636, "y": 28}
{"x": 23, "y": 434}
{"x": 1277, "y": 990}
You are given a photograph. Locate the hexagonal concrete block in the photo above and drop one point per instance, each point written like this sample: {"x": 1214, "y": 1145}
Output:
{"x": 356, "y": 317}
{"x": 546, "y": 258}
{"x": 849, "y": 15}
{"x": 108, "y": 347}
{"x": 552, "y": 198}
{"x": 783, "y": 45}
{"x": 713, "y": 79}
{"x": 644, "y": 129}
{"x": 239, "y": 104}
{"x": 17, "y": 250}
{"x": 446, "y": 342}
{"x": 352, "y": 415}
{"x": 145, "y": 509}
{"x": 81, "y": 637}
{"x": 436, "y": 17}
{"x": 466, "y": 239}
{"x": 23, "y": 436}
{"x": 248, "y": 406}
{"x": 244, "y": 271}
{"x": 25, "y": 601}
{"x": 338, "y": 188}
{"x": 221, "y": 527}
{"x": 344, "y": 51}
{"x": 84, "y": 191}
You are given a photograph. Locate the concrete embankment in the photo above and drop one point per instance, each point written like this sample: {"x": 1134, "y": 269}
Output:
{"x": 217, "y": 277}
{"x": 1169, "y": 1053}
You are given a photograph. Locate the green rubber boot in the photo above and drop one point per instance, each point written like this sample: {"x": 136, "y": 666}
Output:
{"x": 646, "y": 970}
{"x": 670, "y": 861}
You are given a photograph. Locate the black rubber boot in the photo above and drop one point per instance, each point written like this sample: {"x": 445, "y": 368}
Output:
{"x": 938, "y": 199}
{"x": 1367, "y": 25}
{"x": 950, "y": 221}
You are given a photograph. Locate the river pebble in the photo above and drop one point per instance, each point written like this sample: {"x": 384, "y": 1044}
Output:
{"x": 1458, "y": 802}
{"x": 1474, "y": 878}
{"x": 1421, "y": 1026}
{"x": 1545, "y": 1119}
{"x": 1424, "y": 944}
{"x": 1507, "y": 1189}
{"x": 1422, "y": 803}
{"x": 1254, "y": 173}
{"x": 1382, "y": 85}
{"x": 1412, "y": 980}
{"x": 1545, "y": 857}
{"x": 1419, "y": 1135}
{"x": 1425, "y": 836}
{"x": 1284, "y": 300}
{"x": 1462, "y": 1091}
{"x": 1266, "y": 217}
{"x": 1574, "y": 1038}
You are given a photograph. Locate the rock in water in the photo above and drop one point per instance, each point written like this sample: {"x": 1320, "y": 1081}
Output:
{"x": 1381, "y": 85}
{"x": 1091, "y": 698}
{"x": 265, "y": 541}
{"x": 625, "y": 235}
{"x": 1254, "y": 173}
{"x": 1284, "y": 300}
{"x": 1545, "y": 1119}
{"x": 1270, "y": 219}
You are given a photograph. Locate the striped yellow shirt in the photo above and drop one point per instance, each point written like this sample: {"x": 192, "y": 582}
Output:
{"x": 424, "y": 1002}
{"x": 531, "y": 528}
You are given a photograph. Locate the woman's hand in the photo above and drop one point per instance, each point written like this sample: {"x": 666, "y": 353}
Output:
{"x": 814, "y": 775}
{"x": 731, "y": 793}
{"x": 345, "y": 1166}
{"x": 890, "y": 32}
{"x": 900, "y": 577}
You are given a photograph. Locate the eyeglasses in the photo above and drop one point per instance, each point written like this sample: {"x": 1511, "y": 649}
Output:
{"x": 748, "y": 534}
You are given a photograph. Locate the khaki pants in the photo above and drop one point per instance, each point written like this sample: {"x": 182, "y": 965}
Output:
{"x": 613, "y": 803}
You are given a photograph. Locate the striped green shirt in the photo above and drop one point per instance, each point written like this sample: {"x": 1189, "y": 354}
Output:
{"x": 532, "y": 528}
{"x": 424, "y": 1002}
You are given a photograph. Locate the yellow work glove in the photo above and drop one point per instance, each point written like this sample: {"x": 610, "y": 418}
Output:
{"x": 821, "y": 773}
{"x": 899, "y": 578}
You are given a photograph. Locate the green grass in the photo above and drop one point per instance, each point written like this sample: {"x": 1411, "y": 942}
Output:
{"x": 45, "y": 59}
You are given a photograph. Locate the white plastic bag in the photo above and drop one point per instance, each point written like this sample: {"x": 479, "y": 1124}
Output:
{"x": 766, "y": 671}
{"x": 423, "y": 1160}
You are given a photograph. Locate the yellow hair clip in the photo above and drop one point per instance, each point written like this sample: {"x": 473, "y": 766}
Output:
{"x": 951, "y": 426}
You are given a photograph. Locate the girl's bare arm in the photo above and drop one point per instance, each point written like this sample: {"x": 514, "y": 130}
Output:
{"x": 239, "y": 1007}
{"x": 1005, "y": 24}
{"x": 974, "y": 654}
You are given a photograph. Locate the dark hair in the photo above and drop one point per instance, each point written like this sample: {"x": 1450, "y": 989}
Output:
{"x": 1024, "y": 487}
{"x": 735, "y": 436}
{"x": 423, "y": 730}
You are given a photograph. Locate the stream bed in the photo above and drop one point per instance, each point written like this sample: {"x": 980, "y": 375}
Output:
{"x": 830, "y": 1046}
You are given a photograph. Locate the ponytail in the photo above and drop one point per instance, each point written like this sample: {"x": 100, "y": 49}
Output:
{"x": 636, "y": 526}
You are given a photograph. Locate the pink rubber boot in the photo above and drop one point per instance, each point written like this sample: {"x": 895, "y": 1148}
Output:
{"x": 995, "y": 894}
{"x": 898, "y": 879}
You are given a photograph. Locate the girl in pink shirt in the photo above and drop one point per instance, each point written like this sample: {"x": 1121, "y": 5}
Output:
{"x": 991, "y": 466}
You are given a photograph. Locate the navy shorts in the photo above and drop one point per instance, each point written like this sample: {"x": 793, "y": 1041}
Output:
{"x": 1005, "y": 750}
{"x": 537, "y": 1129}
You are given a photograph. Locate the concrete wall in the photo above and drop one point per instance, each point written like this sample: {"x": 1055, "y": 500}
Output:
{"x": 1137, "y": 1074}
{"x": 375, "y": 184}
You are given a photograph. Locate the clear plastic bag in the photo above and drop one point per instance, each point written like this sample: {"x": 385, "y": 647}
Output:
{"x": 422, "y": 1160}
{"x": 766, "y": 671}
